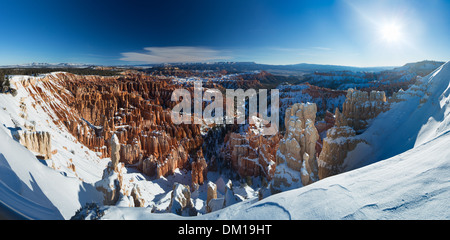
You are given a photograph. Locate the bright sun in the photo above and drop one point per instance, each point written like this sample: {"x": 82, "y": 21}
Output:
{"x": 391, "y": 32}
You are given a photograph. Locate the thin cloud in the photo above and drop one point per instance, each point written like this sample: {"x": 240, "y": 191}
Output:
{"x": 281, "y": 49}
{"x": 181, "y": 54}
{"x": 322, "y": 48}
{"x": 310, "y": 51}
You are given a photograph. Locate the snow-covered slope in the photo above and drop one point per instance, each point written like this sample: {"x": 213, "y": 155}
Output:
{"x": 42, "y": 189}
{"x": 35, "y": 190}
{"x": 423, "y": 115}
{"x": 405, "y": 171}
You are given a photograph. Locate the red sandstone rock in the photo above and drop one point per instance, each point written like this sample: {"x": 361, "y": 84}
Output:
{"x": 135, "y": 107}
{"x": 252, "y": 154}
{"x": 199, "y": 169}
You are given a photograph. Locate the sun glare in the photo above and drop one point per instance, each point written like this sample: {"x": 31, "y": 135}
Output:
{"x": 391, "y": 32}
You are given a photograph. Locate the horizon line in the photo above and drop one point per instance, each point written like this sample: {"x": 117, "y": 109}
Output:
{"x": 30, "y": 64}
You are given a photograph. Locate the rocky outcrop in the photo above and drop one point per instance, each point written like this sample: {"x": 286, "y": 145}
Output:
{"x": 111, "y": 182}
{"x": 37, "y": 142}
{"x": 397, "y": 96}
{"x": 357, "y": 110}
{"x": 230, "y": 198}
{"x": 326, "y": 99}
{"x": 340, "y": 140}
{"x": 326, "y": 123}
{"x": 251, "y": 154}
{"x": 115, "y": 150}
{"x": 211, "y": 192}
{"x": 211, "y": 195}
{"x": 113, "y": 186}
{"x": 137, "y": 197}
{"x": 296, "y": 157}
{"x": 180, "y": 201}
{"x": 322, "y": 127}
{"x": 361, "y": 106}
{"x": 149, "y": 166}
{"x": 199, "y": 169}
{"x": 267, "y": 150}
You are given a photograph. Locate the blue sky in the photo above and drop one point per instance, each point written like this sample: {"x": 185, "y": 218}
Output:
{"x": 356, "y": 33}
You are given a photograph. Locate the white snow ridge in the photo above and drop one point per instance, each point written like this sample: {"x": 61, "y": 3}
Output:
{"x": 404, "y": 174}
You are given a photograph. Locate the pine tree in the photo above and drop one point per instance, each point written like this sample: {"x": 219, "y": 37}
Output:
{"x": 5, "y": 85}
{"x": 2, "y": 80}
{"x": 7, "y": 82}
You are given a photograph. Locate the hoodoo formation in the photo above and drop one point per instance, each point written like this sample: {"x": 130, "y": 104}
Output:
{"x": 303, "y": 157}
{"x": 296, "y": 156}
{"x": 135, "y": 107}
{"x": 358, "y": 109}
{"x": 251, "y": 154}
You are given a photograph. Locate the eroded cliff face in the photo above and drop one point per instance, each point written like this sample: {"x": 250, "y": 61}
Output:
{"x": 340, "y": 140}
{"x": 135, "y": 107}
{"x": 358, "y": 109}
{"x": 37, "y": 142}
{"x": 361, "y": 106}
